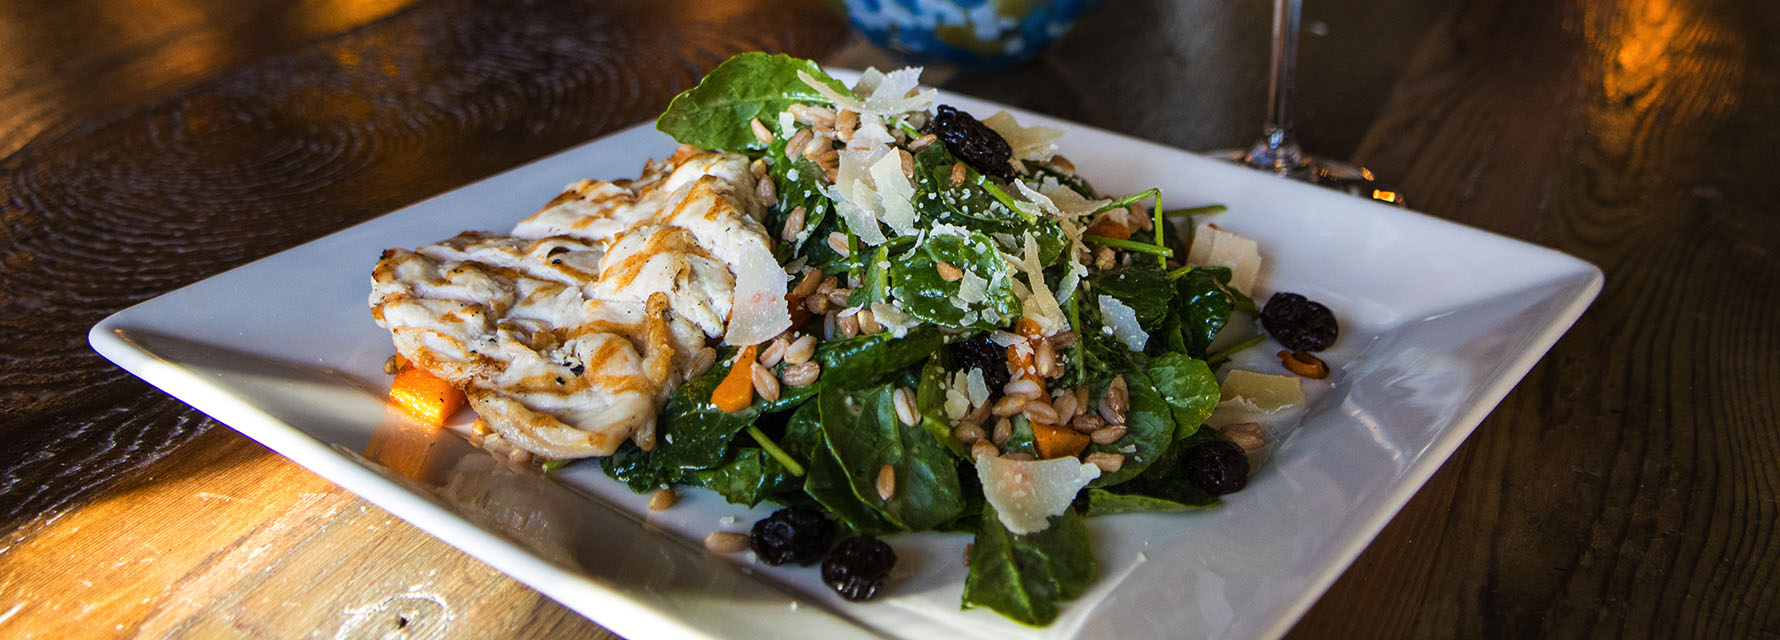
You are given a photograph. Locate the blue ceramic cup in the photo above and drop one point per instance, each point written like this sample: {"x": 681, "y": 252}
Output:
{"x": 971, "y": 33}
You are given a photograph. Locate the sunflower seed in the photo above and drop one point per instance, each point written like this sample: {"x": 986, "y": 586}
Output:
{"x": 726, "y": 542}
{"x": 921, "y": 143}
{"x": 801, "y": 350}
{"x": 947, "y": 272}
{"x": 802, "y": 374}
{"x": 662, "y": 499}
{"x": 1041, "y": 411}
{"x": 793, "y": 225}
{"x": 765, "y": 383}
{"x": 766, "y": 192}
{"x": 1024, "y": 387}
{"x": 808, "y": 284}
{"x": 904, "y": 402}
{"x": 796, "y": 144}
{"x": 760, "y": 131}
{"x": 958, "y": 174}
{"x": 886, "y": 482}
{"x": 1009, "y": 405}
{"x": 838, "y": 242}
{"x": 868, "y": 323}
{"x": 1004, "y": 428}
{"x": 701, "y": 362}
{"x": 1108, "y": 435}
{"x": 1064, "y": 403}
{"x": 773, "y": 353}
{"x": 1108, "y": 462}
{"x": 968, "y": 432}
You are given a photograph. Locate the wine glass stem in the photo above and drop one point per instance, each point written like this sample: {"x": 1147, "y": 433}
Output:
{"x": 1277, "y": 149}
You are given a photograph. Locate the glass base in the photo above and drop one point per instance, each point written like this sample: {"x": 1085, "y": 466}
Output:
{"x": 1287, "y": 160}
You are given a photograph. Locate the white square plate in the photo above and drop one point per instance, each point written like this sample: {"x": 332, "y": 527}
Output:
{"x": 1439, "y": 322}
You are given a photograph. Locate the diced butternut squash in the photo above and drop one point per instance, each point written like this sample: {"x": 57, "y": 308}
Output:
{"x": 1058, "y": 442}
{"x": 424, "y": 396}
{"x": 736, "y": 391}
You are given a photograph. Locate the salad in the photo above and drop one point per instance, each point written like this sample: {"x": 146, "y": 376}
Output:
{"x": 954, "y": 332}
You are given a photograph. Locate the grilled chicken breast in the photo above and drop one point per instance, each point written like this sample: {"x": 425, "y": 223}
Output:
{"x": 568, "y": 335}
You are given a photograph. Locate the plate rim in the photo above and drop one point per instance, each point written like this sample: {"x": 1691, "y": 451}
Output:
{"x": 1582, "y": 283}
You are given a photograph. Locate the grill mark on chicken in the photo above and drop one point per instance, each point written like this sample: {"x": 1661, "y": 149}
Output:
{"x": 569, "y": 334}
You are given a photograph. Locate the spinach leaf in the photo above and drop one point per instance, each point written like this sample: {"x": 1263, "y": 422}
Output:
{"x": 637, "y": 469}
{"x": 827, "y": 483}
{"x": 930, "y": 398}
{"x": 1203, "y": 302}
{"x": 1176, "y": 495}
{"x": 865, "y": 360}
{"x": 1024, "y": 577}
{"x": 916, "y": 283}
{"x": 691, "y": 433}
{"x": 1189, "y": 389}
{"x": 1141, "y": 285}
{"x": 716, "y": 113}
{"x": 864, "y": 434}
{"x": 747, "y": 476}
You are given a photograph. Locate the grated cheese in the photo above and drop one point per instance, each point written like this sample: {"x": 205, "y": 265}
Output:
{"x": 1026, "y": 493}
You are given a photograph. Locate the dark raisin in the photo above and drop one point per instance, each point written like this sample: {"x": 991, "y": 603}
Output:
{"x": 1218, "y": 467}
{"x": 791, "y": 535}
{"x": 982, "y": 353}
{"x": 972, "y": 141}
{"x": 1299, "y": 323}
{"x": 858, "y": 567}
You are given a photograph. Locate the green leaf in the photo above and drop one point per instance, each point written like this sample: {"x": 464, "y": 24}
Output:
{"x": 716, "y": 113}
{"x": 921, "y": 292}
{"x": 1025, "y": 577}
{"x": 828, "y": 484}
{"x": 1202, "y": 305}
{"x": 1188, "y": 387}
{"x": 747, "y": 476}
{"x": 1141, "y": 285}
{"x": 1131, "y": 497}
{"x": 864, "y": 435}
{"x": 866, "y": 360}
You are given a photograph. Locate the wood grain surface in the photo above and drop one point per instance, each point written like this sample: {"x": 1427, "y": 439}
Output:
{"x": 1625, "y": 488}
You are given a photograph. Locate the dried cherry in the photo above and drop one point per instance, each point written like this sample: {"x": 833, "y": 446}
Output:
{"x": 972, "y": 141}
{"x": 1218, "y": 467}
{"x": 791, "y": 535}
{"x": 858, "y": 567}
{"x": 1299, "y": 323}
{"x": 982, "y": 353}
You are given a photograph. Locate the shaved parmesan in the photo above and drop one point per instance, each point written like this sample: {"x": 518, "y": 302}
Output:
{"x": 1026, "y": 493}
{"x": 1039, "y": 304}
{"x": 759, "y": 311}
{"x": 976, "y": 387}
{"x": 957, "y": 404}
{"x": 876, "y": 104}
{"x": 1275, "y": 402}
{"x": 1214, "y": 247}
{"x": 893, "y": 318}
{"x": 895, "y": 194}
{"x": 1123, "y": 322}
{"x": 1029, "y": 143}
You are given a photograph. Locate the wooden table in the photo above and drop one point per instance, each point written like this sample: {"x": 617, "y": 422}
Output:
{"x": 1627, "y": 486}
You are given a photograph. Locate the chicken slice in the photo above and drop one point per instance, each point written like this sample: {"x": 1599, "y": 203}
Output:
{"x": 708, "y": 194}
{"x": 550, "y": 369}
